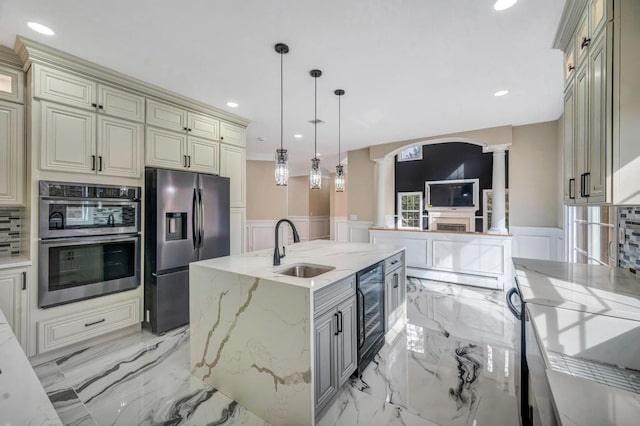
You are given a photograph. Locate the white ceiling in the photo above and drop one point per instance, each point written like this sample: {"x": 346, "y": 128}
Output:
{"x": 410, "y": 68}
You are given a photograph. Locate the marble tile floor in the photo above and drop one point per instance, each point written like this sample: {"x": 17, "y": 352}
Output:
{"x": 452, "y": 365}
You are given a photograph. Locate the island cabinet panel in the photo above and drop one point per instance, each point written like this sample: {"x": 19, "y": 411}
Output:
{"x": 347, "y": 340}
{"x": 326, "y": 358}
{"x": 395, "y": 290}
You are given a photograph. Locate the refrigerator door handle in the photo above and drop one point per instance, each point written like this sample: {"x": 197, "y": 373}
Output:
{"x": 195, "y": 223}
{"x": 200, "y": 219}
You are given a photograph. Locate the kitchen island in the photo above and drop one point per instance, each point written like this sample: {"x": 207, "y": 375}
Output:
{"x": 253, "y": 331}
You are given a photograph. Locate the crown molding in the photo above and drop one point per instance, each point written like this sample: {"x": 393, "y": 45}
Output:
{"x": 568, "y": 23}
{"x": 8, "y": 57}
{"x": 30, "y": 52}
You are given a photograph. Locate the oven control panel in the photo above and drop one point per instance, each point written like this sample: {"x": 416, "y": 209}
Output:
{"x": 80, "y": 190}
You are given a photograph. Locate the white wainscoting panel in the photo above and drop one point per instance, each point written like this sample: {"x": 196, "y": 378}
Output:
{"x": 468, "y": 256}
{"x": 339, "y": 228}
{"x": 319, "y": 227}
{"x": 544, "y": 243}
{"x": 359, "y": 231}
{"x": 260, "y": 234}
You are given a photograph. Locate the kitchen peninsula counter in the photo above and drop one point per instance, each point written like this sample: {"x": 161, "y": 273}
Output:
{"x": 252, "y": 329}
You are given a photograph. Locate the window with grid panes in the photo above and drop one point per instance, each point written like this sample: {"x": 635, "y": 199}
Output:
{"x": 410, "y": 210}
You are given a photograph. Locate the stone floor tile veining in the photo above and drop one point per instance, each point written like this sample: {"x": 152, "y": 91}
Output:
{"x": 452, "y": 365}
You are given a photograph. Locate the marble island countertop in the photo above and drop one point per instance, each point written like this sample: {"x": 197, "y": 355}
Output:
{"x": 346, "y": 258}
{"x": 588, "y": 288}
{"x": 23, "y": 401}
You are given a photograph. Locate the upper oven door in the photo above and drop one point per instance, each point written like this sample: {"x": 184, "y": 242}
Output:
{"x": 71, "y": 218}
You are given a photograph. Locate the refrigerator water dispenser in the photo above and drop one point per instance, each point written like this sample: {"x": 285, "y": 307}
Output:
{"x": 175, "y": 228}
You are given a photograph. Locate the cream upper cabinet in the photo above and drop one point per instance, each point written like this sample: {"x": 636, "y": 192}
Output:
{"x": 11, "y": 84}
{"x": 203, "y": 126}
{"x": 68, "y": 139}
{"x": 63, "y": 87}
{"x": 569, "y": 183}
{"x": 166, "y": 116}
{"x": 581, "y": 133}
{"x": 203, "y": 155}
{"x": 13, "y": 300}
{"x": 233, "y": 134}
{"x": 11, "y": 153}
{"x": 165, "y": 149}
{"x": 598, "y": 14}
{"x": 570, "y": 62}
{"x": 233, "y": 165}
{"x": 237, "y": 220}
{"x": 582, "y": 38}
{"x": 119, "y": 148}
{"x": 119, "y": 103}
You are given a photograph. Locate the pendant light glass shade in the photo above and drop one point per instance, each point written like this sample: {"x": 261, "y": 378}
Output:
{"x": 340, "y": 178}
{"x": 282, "y": 163}
{"x": 282, "y": 167}
{"x": 315, "y": 175}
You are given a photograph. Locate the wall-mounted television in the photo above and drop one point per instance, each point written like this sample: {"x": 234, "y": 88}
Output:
{"x": 452, "y": 194}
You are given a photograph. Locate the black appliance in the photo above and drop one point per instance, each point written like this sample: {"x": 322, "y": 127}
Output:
{"x": 370, "y": 295}
{"x": 187, "y": 220}
{"x": 89, "y": 241}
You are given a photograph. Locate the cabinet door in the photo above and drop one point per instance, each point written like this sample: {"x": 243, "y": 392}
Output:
{"x": 569, "y": 62}
{"x": 118, "y": 103}
{"x": 233, "y": 165}
{"x": 599, "y": 140}
{"x": 598, "y": 15}
{"x": 581, "y": 133}
{"x": 13, "y": 285}
{"x": 204, "y": 155}
{"x": 347, "y": 339}
{"x": 203, "y": 126}
{"x": 11, "y": 153}
{"x": 325, "y": 373}
{"x": 569, "y": 182}
{"x": 582, "y": 39}
{"x": 60, "y": 86}
{"x": 119, "y": 147}
{"x": 233, "y": 134}
{"x": 166, "y": 116}
{"x": 68, "y": 139}
{"x": 165, "y": 149}
{"x": 11, "y": 84}
{"x": 388, "y": 301}
{"x": 237, "y": 221}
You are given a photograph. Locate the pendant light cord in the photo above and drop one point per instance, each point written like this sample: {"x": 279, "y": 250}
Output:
{"x": 339, "y": 128}
{"x": 315, "y": 118}
{"x": 281, "y": 101}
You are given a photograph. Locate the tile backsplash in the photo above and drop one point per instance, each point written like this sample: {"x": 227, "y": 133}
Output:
{"x": 629, "y": 237}
{"x": 10, "y": 231}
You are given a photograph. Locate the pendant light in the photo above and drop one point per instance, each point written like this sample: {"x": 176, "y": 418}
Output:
{"x": 315, "y": 175}
{"x": 339, "y": 168}
{"x": 282, "y": 158}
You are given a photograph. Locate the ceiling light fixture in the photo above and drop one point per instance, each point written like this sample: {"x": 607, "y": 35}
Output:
{"x": 339, "y": 182}
{"x": 282, "y": 158}
{"x": 501, "y": 93}
{"x": 39, "y": 28}
{"x": 315, "y": 175}
{"x": 503, "y": 4}
{"x": 297, "y": 136}
{"x": 232, "y": 104}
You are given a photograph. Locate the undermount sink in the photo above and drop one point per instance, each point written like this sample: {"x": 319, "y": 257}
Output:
{"x": 305, "y": 270}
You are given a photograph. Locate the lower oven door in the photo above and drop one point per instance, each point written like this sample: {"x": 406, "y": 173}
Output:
{"x": 72, "y": 269}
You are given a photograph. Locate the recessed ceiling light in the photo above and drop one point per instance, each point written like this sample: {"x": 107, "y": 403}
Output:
{"x": 501, "y": 93}
{"x": 297, "y": 136}
{"x": 232, "y": 104}
{"x": 503, "y": 4}
{"x": 39, "y": 28}
{"x": 318, "y": 154}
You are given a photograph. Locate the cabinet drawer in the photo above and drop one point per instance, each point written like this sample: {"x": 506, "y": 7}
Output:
{"x": 63, "y": 87}
{"x": 394, "y": 262}
{"x": 333, "y": 294}
{"x": 54, "y": 334}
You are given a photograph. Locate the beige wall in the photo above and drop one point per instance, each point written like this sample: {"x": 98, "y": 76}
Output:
{"x": 319, "y": 199}
{"x": 265, "y": 200}
{"x": 337, "y": 200}
{"x": 533, "y": 175}
{"x": 298, "y": 187}
{"x": 360, "y": 186}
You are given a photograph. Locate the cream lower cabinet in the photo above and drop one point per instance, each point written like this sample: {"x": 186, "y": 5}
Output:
{"x": 13, "y": 300}
{"x": 78, "y": 141}
{"x": 233, "y": 165}
{"x": 11, "y": 153}
{"x": 237, "y": 230}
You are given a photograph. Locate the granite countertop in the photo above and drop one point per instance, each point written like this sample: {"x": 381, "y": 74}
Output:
{"x": 23, "y": 401}
{"x": 589, "y": 288}
{"x": 14, "y": 262}
{"x": 346, "y": 258}
{"x": 595, "y": 342}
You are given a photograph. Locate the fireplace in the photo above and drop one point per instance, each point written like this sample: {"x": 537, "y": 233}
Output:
{"x": 454, "y": 220}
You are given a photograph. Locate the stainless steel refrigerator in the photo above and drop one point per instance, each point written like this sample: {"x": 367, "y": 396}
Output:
{"x": 187, "y": 219}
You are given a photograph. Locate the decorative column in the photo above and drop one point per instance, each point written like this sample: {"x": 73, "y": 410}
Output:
{"x": 498, "y": 208}
{"x": 380, "y": 201}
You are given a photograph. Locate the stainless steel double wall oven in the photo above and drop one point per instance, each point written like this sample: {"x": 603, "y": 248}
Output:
{"x": 89, "y": 241}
